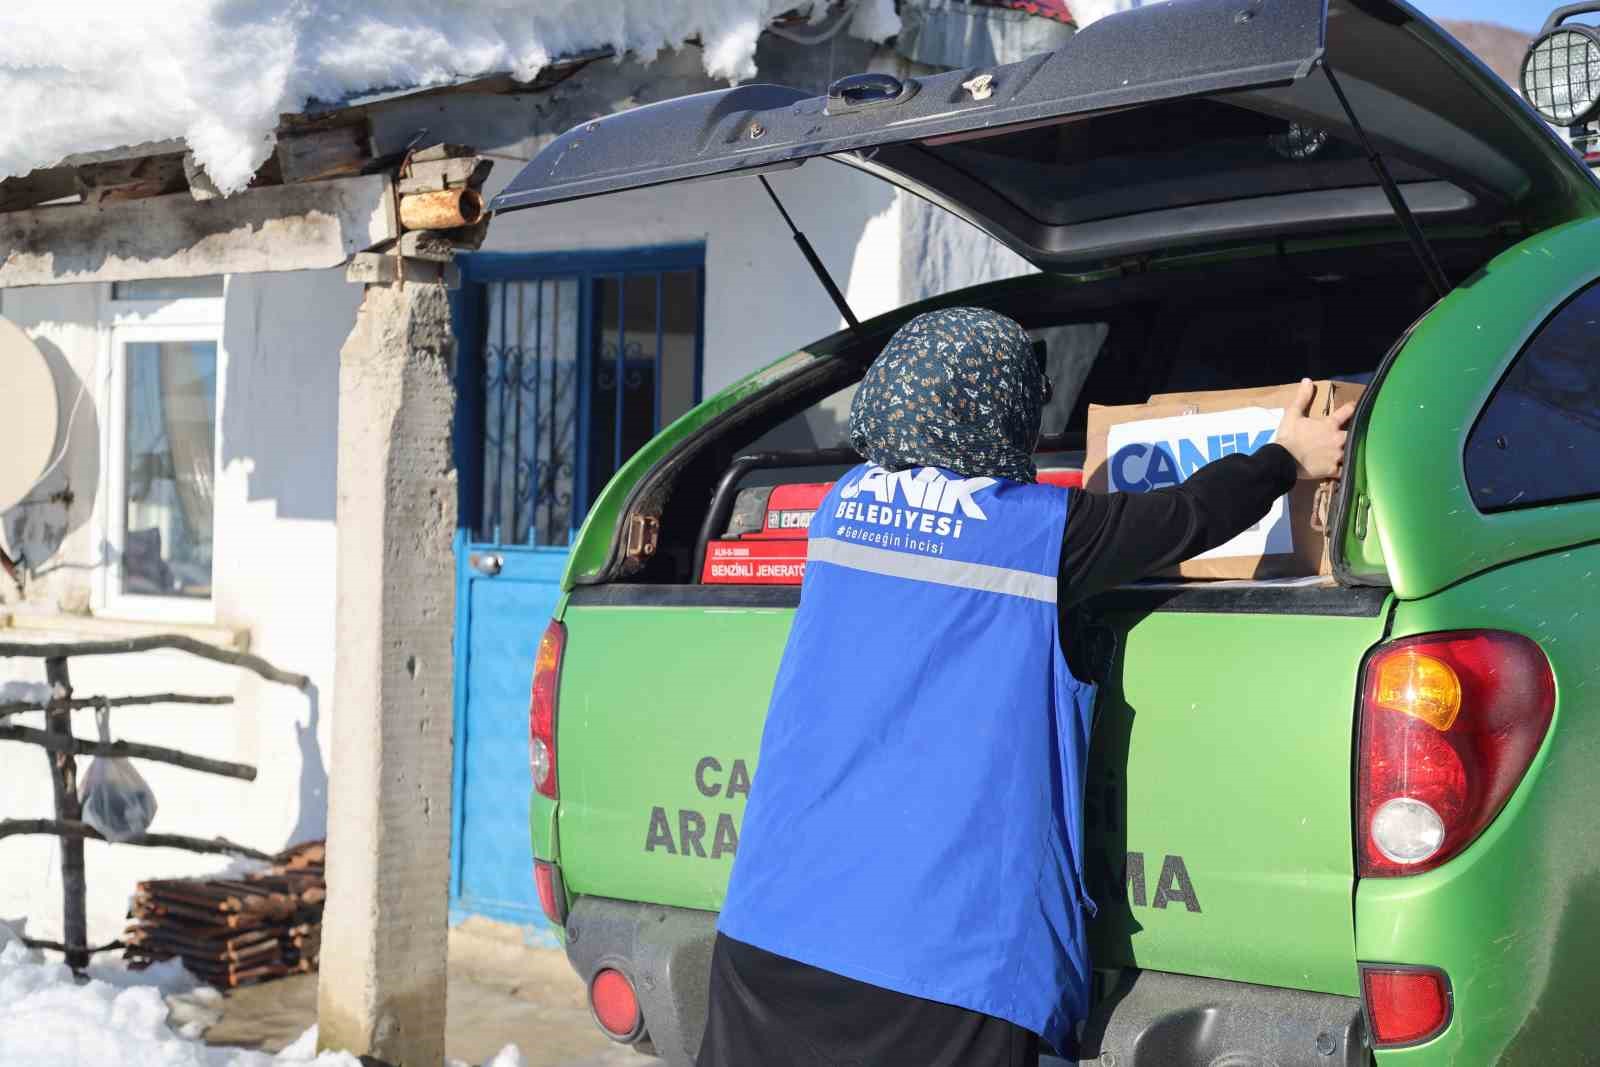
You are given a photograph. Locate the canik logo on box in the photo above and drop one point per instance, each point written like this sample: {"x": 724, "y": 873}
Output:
{"x": 1156, "y": 453}
{"x": 1141, "y": 466}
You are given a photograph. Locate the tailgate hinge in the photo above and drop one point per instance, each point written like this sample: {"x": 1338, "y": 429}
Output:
{"x": 639, "y": 544}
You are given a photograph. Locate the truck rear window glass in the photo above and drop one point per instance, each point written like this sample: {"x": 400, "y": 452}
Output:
{"x": 1537, "y": 438}
{"x": 1178, "y": 154}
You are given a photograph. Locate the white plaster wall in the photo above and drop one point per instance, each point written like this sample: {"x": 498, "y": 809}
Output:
{"x": 276, "y": 562}
{"x": 940, "y": 252}
{"x": 274, "y": 576}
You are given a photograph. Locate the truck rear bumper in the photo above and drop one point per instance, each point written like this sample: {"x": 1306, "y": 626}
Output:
{"x": 1152, "y": 1017}
{"x": 1147, "y": 1018}
{"x": 666, "y": 954}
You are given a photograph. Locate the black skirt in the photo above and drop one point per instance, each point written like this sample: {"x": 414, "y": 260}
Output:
{"x": 770, "y": 1011}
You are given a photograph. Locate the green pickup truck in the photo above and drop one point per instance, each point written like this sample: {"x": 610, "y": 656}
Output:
{"x": 1330, "y": 821}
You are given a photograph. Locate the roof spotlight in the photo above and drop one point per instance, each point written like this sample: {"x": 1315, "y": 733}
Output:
{"x": 1561, "y": 75}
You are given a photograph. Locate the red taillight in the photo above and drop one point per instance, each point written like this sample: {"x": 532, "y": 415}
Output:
{"x": 616, "y": 1007}
{"x": 1406, "y": 1005}
{"x": 1449, "y": 724}
{"x": 552, "y": 893}
{"x": 542, "y": 708}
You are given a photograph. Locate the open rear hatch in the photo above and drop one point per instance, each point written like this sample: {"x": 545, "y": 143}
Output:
{"x": 1192, "y": 123}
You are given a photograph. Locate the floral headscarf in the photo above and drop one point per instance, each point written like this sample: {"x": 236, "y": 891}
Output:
{"x": 958, "y": 389}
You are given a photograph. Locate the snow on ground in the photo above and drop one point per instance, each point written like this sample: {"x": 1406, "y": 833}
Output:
{"x": 89, "y": 75}
{"x": 24, "y": 692}
{"x": 49, "y": 1019}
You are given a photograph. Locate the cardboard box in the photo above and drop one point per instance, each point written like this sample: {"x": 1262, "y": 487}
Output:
{"x": 1164, "y": 441}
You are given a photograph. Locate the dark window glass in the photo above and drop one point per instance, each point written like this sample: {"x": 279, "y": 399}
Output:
{"x": 609, "y": 390}
{"x": 1178, "y": 154}
{"x": 678, "y": 293}
{"x": 530, "y": 424}
{"x": 579, "y": 372}
{"x": 645, "y": 364}
{"x": 1538, "y": 439}
{"x": 641, "y": 317}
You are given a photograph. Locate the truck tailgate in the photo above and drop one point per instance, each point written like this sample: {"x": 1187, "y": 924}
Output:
{"x": 1218, "y": 822}
{"x": 657, "y": 741}
{"x": 1218, "y": 815}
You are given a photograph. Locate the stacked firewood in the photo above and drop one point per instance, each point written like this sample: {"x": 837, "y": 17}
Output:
{"x": 235, "y": 931}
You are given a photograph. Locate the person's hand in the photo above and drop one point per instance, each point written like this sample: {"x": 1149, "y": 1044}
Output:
{"x": 1317, "y": 444}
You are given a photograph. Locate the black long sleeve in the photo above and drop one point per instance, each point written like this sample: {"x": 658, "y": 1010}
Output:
{"x": 1115, "y": 538}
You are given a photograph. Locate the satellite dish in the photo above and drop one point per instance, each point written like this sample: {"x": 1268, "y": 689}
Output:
{"x": 29, "y": 417}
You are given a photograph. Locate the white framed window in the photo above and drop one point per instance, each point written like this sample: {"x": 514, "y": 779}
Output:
{"x": 165, "y": 365}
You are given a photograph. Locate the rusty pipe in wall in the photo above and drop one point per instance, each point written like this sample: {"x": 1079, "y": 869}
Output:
{"x": 442, "y": 209}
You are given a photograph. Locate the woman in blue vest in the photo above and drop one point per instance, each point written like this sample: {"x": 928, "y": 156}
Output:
{"x": 909, "y": 883}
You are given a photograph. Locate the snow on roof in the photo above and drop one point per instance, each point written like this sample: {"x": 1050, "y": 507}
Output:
{"x": 89, "y": 75}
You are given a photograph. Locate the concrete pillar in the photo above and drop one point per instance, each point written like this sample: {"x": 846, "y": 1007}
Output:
{"x": 382, "y": 987}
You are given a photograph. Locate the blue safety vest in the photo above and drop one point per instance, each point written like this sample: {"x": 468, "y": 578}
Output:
{"x": 915, "y": 821}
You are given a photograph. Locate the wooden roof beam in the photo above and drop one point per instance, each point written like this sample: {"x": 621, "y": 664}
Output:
{"x": 308, "y": 226}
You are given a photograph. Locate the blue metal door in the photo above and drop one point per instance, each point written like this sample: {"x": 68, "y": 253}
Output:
{"x": 567, "y": 365}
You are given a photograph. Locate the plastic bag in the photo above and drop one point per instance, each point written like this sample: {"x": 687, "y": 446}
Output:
{"x": 116, "y": 799}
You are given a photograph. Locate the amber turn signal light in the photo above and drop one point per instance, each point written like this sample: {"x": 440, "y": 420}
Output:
{"x": 1413, "y": 683}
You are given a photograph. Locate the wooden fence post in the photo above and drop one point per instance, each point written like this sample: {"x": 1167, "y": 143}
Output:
{"x": 64, "y": 776}
{"x": 61, "y": 747}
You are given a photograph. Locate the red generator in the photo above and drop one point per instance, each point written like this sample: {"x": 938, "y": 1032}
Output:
{"x": 765, "y": 542}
